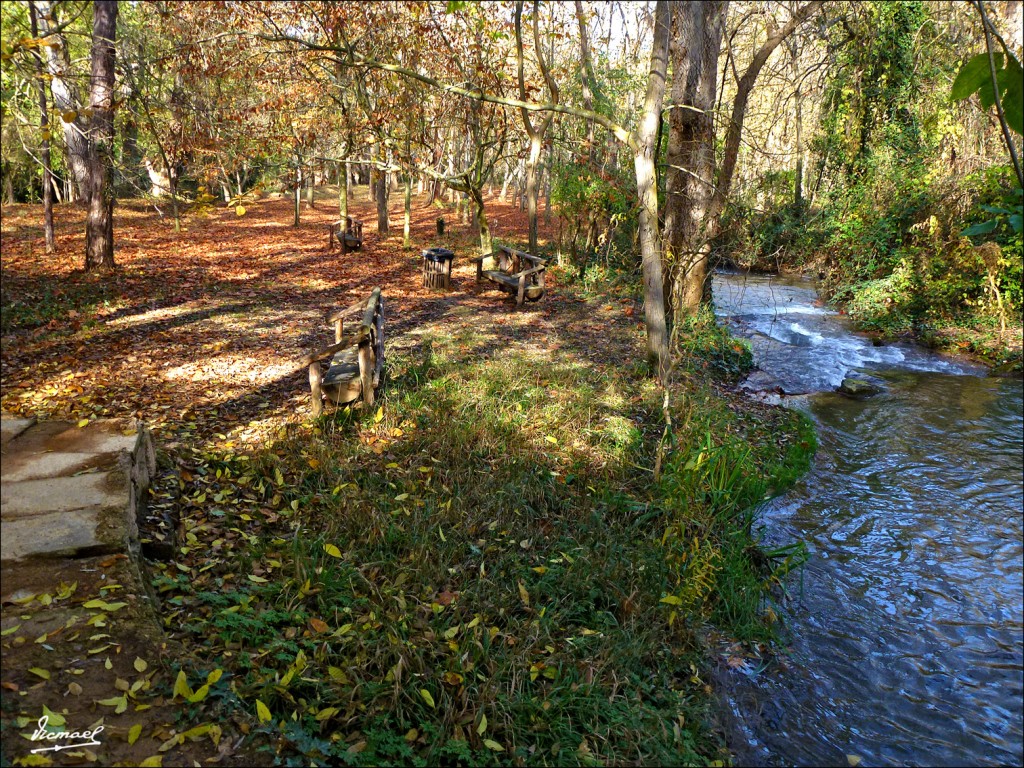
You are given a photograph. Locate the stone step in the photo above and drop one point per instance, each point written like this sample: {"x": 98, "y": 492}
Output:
{"x": 67, "y": 491}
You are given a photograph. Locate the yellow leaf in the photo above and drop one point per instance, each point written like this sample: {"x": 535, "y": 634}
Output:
{"x": 379, "y": 415}
{"x": 262, "y": 712}
{"x": 451, "y": 678}
{"x": 83, "y": 422}
{"x": 332, "y": 550}
{"x": 103, "y": 605}
{"x": 200, "y": 694}
{"x": 134, "y": 732}
{"x": 483, "y": 724}
{"x": 493, "y": 746}
{"x": 54, "y": 718}
{"x": 240, "y": 210}
{"x": 154, "y": 761}
{"x": 69, "y": 116}
{"x": 40, "y": 673}
{"x": 140, "y": 665}
{"x": 214, "y": 676}
{"x": 257, "y": 579}
{"x": 671, "y": 600}
{"x": 541, "y": 569}
{"x": 181, "y": 686}
{"x": 326, "y": 713}
{"x": 427, "y": 697}
{"x": 10, "y": 630}
{"x": 34, "y": 760}
{"x": 120, "y": 703}
{"x": 550, "y": 439}
{"x": 523, "y": 594}
{"x": 853, "y": 760}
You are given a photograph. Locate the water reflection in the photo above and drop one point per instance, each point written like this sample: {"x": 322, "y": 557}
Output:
{"x": 908, "y": 627}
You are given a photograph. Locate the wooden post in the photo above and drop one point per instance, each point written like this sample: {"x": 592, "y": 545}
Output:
{"x": 366, "y": 371}
{"x": 315, "y": 380}
{"x": 379, "y": 350}
{"x": 338, "y": 325}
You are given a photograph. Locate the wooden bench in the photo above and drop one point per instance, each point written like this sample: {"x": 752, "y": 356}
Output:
{"x": 517, "y": 272}
{"x": 356, "y": 357}
{"x": 352, "y": 237}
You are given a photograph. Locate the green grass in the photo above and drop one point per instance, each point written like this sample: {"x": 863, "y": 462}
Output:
{"x": 483, "y": 570}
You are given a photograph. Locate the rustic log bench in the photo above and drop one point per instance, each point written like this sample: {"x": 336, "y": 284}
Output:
{"x": 351, "y": 239}
{"x": 356, "y": 357}
{"x": 517, "y": 272}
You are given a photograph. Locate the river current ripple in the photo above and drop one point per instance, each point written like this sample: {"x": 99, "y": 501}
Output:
{"x": 907, "y": 624}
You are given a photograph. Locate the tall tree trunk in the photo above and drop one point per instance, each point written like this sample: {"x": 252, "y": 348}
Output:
{"x": 798, "y": 180}
{"x": 99, "y": 224}
{"x": 343, "y": 192}
{"x": 486, "y": 244}
{"x": 647, "y": 192}
{"x": 588, "y": 81}
{"x": 44, "y": 152}
{"x": 407, "y": 223}
{"x": 297, "y": 193}
{"x": 739, "y": 106}
{"x": 535, "y": 134}
{"x": 66, "y": 99}
{"x": 697, "y": 30}
{"x": 382, "y": 187}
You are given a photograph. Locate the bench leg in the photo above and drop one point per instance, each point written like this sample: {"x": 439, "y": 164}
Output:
{"x": 521, "y": 295}
{"x": 365, "y": 357}
{"x": 315, "y": 381}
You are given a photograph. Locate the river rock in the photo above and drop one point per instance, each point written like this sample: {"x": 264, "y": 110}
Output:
{"x": 858, "y": 388}
{"x": 759, "y": 381}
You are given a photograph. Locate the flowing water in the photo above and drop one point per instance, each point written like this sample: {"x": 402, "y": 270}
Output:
{"x": 907, "y": 624}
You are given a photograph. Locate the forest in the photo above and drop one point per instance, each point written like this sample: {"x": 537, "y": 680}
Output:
{"x": 536, "y": 541}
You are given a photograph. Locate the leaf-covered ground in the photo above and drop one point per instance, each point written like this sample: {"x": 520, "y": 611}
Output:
{"x": 480, "y": 569}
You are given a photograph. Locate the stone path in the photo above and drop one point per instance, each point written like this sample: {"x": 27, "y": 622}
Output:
{"x": 70, "y": 491}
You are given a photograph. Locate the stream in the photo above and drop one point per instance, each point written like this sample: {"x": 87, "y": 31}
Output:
{"x": 906, "y": 626}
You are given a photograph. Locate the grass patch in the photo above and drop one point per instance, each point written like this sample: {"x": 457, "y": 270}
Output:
{"x": 482, "y": 569}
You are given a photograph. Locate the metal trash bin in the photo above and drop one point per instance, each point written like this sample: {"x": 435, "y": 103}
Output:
{"x": 437, "y": 268}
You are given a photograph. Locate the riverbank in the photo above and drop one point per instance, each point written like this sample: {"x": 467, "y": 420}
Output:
{"x": 484, "y": 566}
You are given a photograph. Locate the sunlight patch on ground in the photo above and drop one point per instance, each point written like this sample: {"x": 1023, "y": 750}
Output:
{"x": 154, "y": 315}
{"x": 238, "y": 368}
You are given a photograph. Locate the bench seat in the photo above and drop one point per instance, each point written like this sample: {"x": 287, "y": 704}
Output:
{"x": 510, "y": 283}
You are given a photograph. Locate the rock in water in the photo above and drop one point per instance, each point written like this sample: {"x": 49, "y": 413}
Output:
{"x": 858, "y": 388}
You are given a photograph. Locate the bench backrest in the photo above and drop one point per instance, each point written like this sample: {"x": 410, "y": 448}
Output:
{"x": 511, "y": 260}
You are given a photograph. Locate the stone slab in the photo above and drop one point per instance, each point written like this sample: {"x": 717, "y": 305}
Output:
{"x": 105, "y": 436}
{"x": 20, "y": 466}
{"x": 11, "y": 427}
{"x": 64, "y": 534}
{"x": 63, "y": 494}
